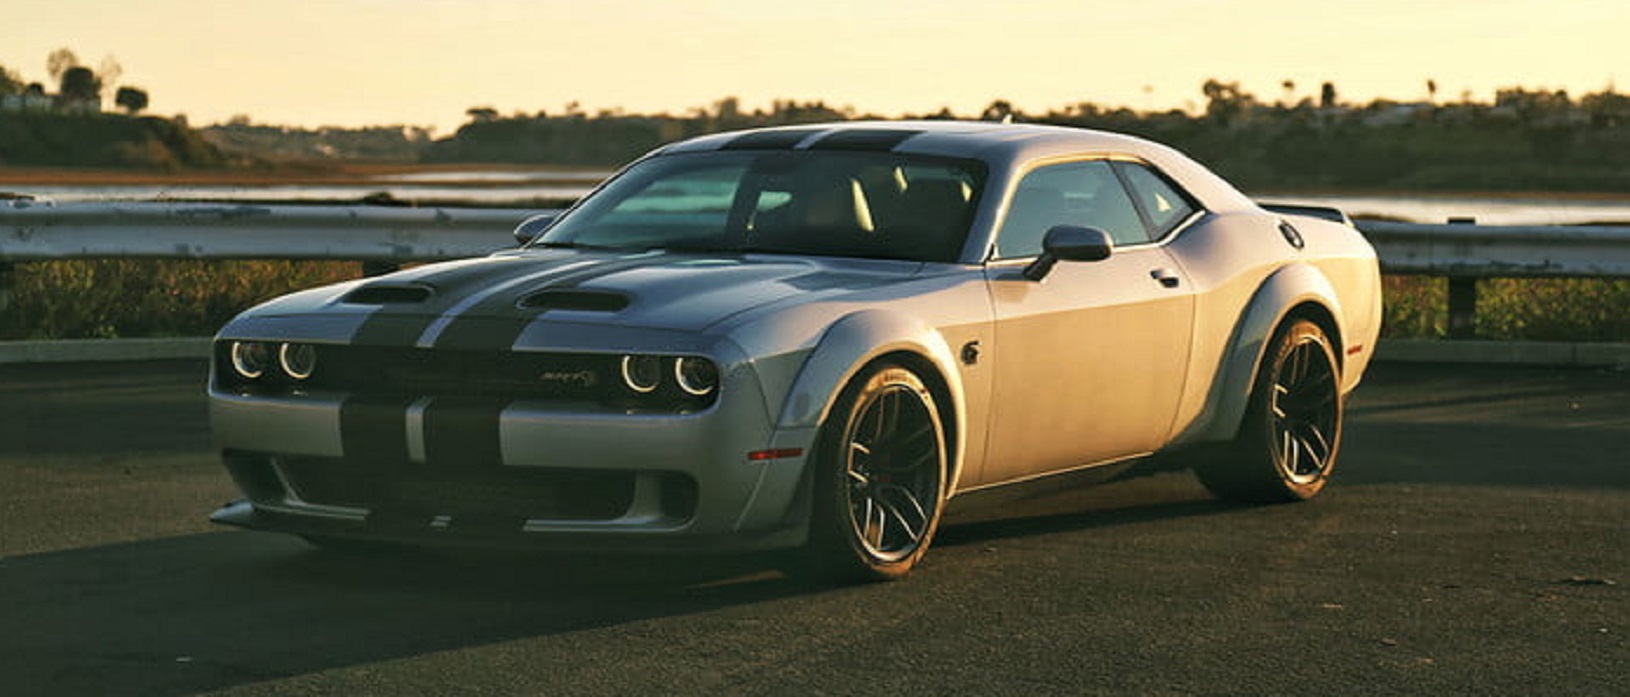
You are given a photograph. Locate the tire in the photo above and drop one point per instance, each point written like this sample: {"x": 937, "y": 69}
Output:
{"x": 880, "y": 467}
{"x": 1288, "y": 442}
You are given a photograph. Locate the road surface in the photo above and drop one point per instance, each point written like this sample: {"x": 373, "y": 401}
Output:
{"x": 1477, "y": 541}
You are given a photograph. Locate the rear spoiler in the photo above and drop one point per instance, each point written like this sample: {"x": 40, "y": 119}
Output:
{"x": 1333, "y": 215}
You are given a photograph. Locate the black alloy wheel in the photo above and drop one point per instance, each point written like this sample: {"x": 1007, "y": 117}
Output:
{"x": 880, "y": 485}
{"x": 1287, "y": 445}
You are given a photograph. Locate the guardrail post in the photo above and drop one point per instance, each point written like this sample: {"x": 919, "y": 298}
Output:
{"x": 8, "y": 282}
{"x": 8, "y": 321}
{"x": 1462, "y": 299}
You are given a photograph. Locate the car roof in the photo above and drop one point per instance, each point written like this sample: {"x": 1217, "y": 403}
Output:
{"x": 1008, "y": 149}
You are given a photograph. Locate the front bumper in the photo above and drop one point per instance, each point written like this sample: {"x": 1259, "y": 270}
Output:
{"x": 245, "y": 514}
{"x": 539, "y": 474}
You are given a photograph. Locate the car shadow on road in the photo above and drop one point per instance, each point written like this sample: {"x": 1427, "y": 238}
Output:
{"x": 212, "y": 611}
{"x": 205, "y": 612}
{"x": 1065, "y": 506}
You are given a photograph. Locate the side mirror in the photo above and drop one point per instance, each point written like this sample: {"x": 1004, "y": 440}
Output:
{"x": 530, "y": 228}
{"x": 1069, "y": 243}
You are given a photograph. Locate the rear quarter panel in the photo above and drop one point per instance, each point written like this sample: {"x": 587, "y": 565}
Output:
{"x": 1247, "y": 278}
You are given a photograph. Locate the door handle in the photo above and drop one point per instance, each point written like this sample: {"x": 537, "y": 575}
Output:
{"x": 1167, "y": 277}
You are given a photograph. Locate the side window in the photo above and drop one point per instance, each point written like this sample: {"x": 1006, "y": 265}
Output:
{"x": 1163, "y": 203}
{"x": 1074, "y": 193}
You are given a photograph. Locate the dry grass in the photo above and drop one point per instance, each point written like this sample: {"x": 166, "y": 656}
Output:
{"x": 1548, "y": 309}
{"x": 110, "y": 298}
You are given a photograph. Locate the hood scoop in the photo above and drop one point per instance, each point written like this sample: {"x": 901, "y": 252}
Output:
{"x": 579, "y": 300}
{"x": 388, "y": 294}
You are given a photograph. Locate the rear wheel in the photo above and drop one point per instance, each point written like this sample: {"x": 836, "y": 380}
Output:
{"x": 879, "y": 480}
{"x": 1287, "y": 445}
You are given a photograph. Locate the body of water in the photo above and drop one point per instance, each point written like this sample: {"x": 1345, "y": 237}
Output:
{"x": 499, "y": 187}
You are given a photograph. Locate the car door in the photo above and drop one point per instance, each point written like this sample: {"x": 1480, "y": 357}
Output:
{"x": 1089, "y": 362}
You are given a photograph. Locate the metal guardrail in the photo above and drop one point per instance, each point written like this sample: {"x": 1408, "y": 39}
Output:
{"x": 32, "y": 231}
{"x": 1466, "y": 253}
{"x": 382, "y": 237}
{"x": 1500, "y": 251}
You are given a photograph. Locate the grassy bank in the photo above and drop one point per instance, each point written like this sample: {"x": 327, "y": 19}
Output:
{"x": 104, "y": 140}
{"x": 115, "y": 298}
{"x": 122, "y": 298}
{"x": 1591, "y": 310}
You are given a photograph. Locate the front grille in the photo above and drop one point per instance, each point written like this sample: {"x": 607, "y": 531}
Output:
{"x": 501, "y": 374}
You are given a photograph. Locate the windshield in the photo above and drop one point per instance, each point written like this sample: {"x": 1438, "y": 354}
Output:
{"x": 821, "y": 202}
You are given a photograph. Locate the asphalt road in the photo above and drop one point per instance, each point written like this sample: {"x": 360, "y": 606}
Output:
{"x": 1477, "y": 541}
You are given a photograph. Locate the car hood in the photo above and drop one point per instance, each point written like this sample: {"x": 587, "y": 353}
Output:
{"x": 660, "y": 290}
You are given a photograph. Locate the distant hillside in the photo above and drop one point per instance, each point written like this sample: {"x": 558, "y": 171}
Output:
{"x": 1523, "y": 141}
{"x": 572, "y": 140}
{"x": 102, "y": 140}
{"x": 395, "y": 143}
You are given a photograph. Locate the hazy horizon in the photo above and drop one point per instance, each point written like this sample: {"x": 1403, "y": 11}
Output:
{"x": 424, "y": 62}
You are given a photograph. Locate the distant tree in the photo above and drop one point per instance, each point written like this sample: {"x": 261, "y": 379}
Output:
{"x": 1288, "y": 86}
{"x": 481, "y": 114}
{"x": 998, "y": 110}
{"x": 9, "y": 82}
{"x": 1432, "y": 90}
{"x": 727, "y": 110}
{"x": 80, "y": 83}
{"x": 59, "y": 62}
{"x": 131, "y": 98}
{"x": 1225, "y": 101}
{"x": 1327, "y": 95}
{"x": 1607, "y": 109}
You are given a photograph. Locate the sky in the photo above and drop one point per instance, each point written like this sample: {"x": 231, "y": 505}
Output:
{"x": 424, "y": 62}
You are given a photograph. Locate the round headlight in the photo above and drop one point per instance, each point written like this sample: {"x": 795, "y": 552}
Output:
{"x": 250, "y": 358}
{"x": 697, "y": 376}
{"x": 298, "y": 360}
{"x": 642, "y": 374}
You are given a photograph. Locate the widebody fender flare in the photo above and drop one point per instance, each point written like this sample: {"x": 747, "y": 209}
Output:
{"x": 856, "y": 340}
{"x": 1291, "y": 287}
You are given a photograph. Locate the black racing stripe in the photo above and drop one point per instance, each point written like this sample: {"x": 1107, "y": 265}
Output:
{"x": 496, "y": 322}
{"x": 401, "y": 325}
{"x": 462, "y": 433}
{"x": 461, "y": 442}
{"x": 785, "y": 139}
{"x": 373, "y": 436}
{"x": 373, "y": 431}
{"x": 864, "y": 139}
{"x": 388, "y": 328}
{"x": 454, "y": 284}
{"x": 485, "y": 333}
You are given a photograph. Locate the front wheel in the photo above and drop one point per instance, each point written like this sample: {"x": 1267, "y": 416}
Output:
{"x": 879, "y": 479}
{"x": 1287, "y": 445}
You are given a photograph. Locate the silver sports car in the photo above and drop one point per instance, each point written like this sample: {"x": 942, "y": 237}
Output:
{"x": 809, "y": 338}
